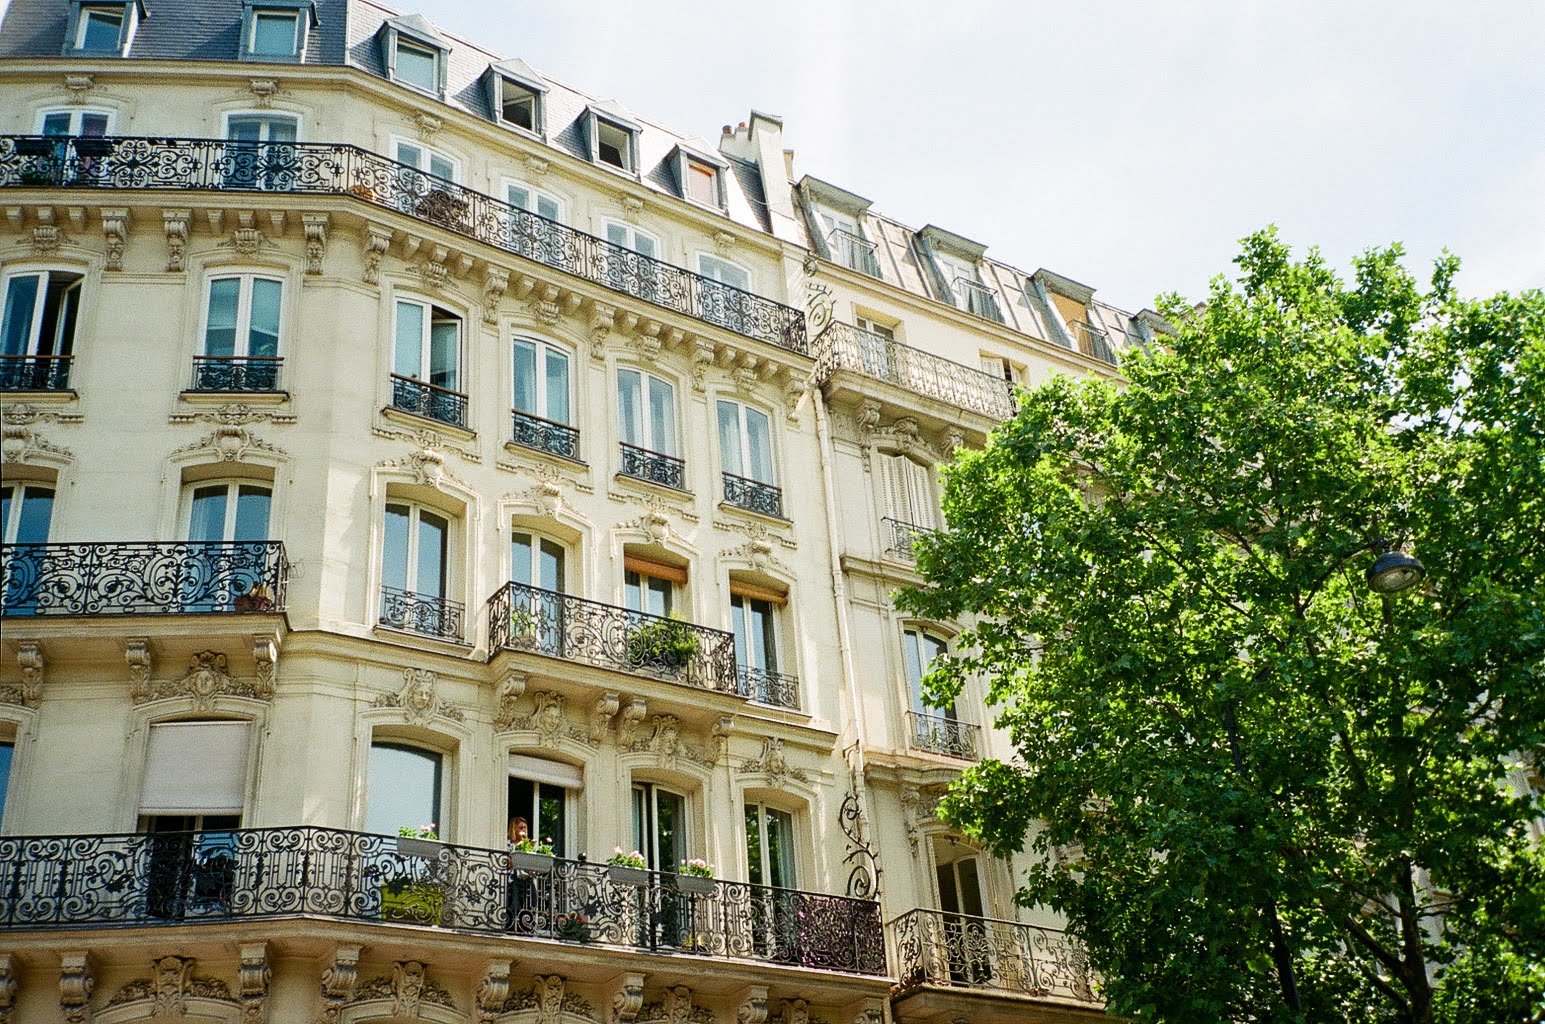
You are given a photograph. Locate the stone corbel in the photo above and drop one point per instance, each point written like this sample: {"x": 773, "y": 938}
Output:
{"x": 865, "y": 1011}
{"x": 510, "y": 692}
{"x": 724, "y": 242}
{"x": 265, "y": 652}
{"x": 252, "y": 980}
{"x": 633, "y": 712}
{"x": 628, "y": 998}
{"x": 8, "y": 986}
{"x": 263, "y": 90}
{"x": 536, "y": 167}
{"x": 30, "y": 656}
{"x": 78, "y": 86}
{"x": 606, "y": 706}
{"x": 602, "y": 319}
{"x": 115, "y": 233}
{"x": 76, "y": 982}
{"x": 721, "y": 736}
{"x": 544, "y": 304}
{"x": 428, "y": 126}
{"x": 338, "y": 982}
{"x": 753, "y": 1005}
{"x": 495, "y": 281}
{"x": 316, "y": 240}
{"x": 377, "y": 241}
{"x": 176, "y": 224}
{"x": 793, "y": 390}
{"x": 136, "y": 653}
{"x": 46, "y": 235}
{"x": 493, "y": 990}
{"x": 631, "y": 208}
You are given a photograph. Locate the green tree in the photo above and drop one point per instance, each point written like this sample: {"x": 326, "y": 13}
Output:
{"x": 1230, "y": 751}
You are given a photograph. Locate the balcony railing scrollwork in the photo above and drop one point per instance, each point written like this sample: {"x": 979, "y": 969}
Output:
{"x": 935, "y": 947}
{"x": 765, "y": 686}
{"x": 431, "y": 401}
{"x": 527, "y": 618}
{"x": 331, "y": 168}
{"x": 753, "y": 495}
{"x": 143, "y": 578}
{"x": 656, "y": 467}
{"x": 845, "y": 347}
{"x": 543, "y": 435}
{"x": 942, "y": 735}
{"x": 236, "y": 373}
{"x": 34, "y": 373}
{"x": 901, "y": 536}
{"x": 421, "y": 613}
{"x": 49, "y": 883}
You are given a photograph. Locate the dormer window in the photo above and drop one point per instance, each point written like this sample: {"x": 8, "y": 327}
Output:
{"x": 102, "y": 28}
{"x": 837, "y": 218}
{"x": 955, "y": 261}
{"x": 417, "y": 66}
{"x": 613, "y": 138}
{"x": 700, "y": 173}
{"x": 414, "y": 54}
{"x": 515, "y": 95}
{"x": 702, "y": 183}
{"x": 518, "y": 106}
{"x": 275, "y": 30}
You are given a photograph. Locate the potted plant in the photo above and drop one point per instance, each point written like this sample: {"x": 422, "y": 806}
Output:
{"x": 663, "y": 644}
{"x": 532, "y": 856}
{"x": 364, "y": 192}
{"x": 627, "y": 868}
{"x": 695, "y": 877}
{"x": 413, "y": 902}
{"x": 422, "y": 841}
{"x": 573, "y": 928}
{"x": 256, "y": 600}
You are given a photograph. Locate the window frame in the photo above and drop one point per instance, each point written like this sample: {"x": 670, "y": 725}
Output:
{"x": 444, "y": 761}
{"x": 763, "y": 809}
{"x": 411, "y": 556}
{"x": 914, "y": 685}
{"x": 76, "y": 115}
{"x": 743, "y": 439}
{"x": 687, "y": 162}
{"x": 645, "y": 584}
{"x": 305, "y": 15}
{"x": 645, "y": 412}
{"x": 536, "y": 195}
{"x": 233, "y": 486}
{"x": 242, "y": 344}
{"x": 10, "y": 525}
{"x": 649, "y": 828}
{"x": 569, "y": 843}
{"x": 538, "y": 540}
{"x": 428, "y": 154}
{"x": 770, "y": 648}
{"x": 81, "y": 11}
{"x": 34, "y": 335}
{"x": 595, "y": 118}
{"x": 426, "y": 341}
{"x": 543, "y": 348}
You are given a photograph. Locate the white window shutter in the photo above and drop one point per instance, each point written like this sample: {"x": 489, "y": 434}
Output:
{"x": 196, "y": 768}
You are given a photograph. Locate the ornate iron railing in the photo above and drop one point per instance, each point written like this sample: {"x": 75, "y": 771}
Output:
{"x": 753, "y": 495}
{"x": 330, "y": 168}
{"x": 768, "y": 687}
{"x": 544, "y": 435}
{"x": 976, "y": 298}
{"x": 947, "y": 736}
{"x": 527, "y": 618}
{"x": 937, "y": 948}
{"x": 143, "y": 578}
{"x": 236, "y": 373}
{"x": 656, "y": 467}
{"x": 845, "y": 347}
{"x": 421, "y": 613}
{"x": 901, "y": 538}
{"x": 35, "y": 373}
{"x": 429, "y": 400}
{"x": 90, "y": 881}
{"x": 1092, "y": 341}
{"x": 853, "y": 251}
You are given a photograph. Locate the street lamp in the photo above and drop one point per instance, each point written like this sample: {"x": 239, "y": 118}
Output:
{"x": 1394, "y": 571}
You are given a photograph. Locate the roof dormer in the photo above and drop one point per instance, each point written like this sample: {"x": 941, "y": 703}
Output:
{"x": 414, "y": 54}
{"x": 612, "y": 136}
{"x": 956, "y": 262}
{"x": 276, "y": 31}
{"x": 700, "y": 174}
{"x": 102, "y": 29}
{"x": 517, "y": 96}
{"x": 837, "y": 225}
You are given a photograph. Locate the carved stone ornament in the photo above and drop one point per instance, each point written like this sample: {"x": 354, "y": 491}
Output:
{"x": 428, "y": 126}
{"x": 229, "y": 443}
{"x": 797, "y": 1011}
{"x": 665, "y": 742}
{"x": 426, "y": 462}
{"x": 770, "y": 764}
{"x": 265, "y": 653}
{"x": 208, "y": 677}
{"x": 495, "y": 281}
{"x": 631, "y": 208}
{"x": 171, "y": 989}
{"x": 377, "y": 241}
{"x": 511, "y": 689}
{"x": 493, "y": 990}
{"x": 29, "y": 656}
{"x": 633, "y": 713}
{"x": 753, "y": 1006}
{"x": 252, "y": 981}
{"x": 549, "y": 719}
{"x": 316, "y": 240}
{"x": 136, "y": 654}
{"x": 702, "y": 359}
{"x": 23, "y": 444}
{"x": 419, "y": 698}
{"x": 628, "y": 999}
{"x": 338, "y": 982}
{"x": 233, "y": 414}
{"x": 46, "y": 239}
{"x": 20, "y": 414}
{"x": 675, "y": 1007}
{"x": 408, "y": 987}
{"x": 115, "y": 234}
{"x": 548, "y": 1001}
{"x": 601, "y": 714}
{"x": 8, "y": 987}
{"x": 176, "y": 224}
{"x": 77, "y": 981}
{"x": 602, "y": 319}
{"x": 78, "y": 86}
{"x": 819, "y": 302}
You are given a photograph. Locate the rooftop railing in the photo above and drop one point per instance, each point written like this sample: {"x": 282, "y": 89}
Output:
{"x": 935, "y": 947}
{"x": 332, "y": 168}
{"x": 853, "y": 251}
{"x": 143, "y": 578}
{"x": 1092, "y": 341}
{"x": 526, "y": 618}
{"x": 52, "y": 883}
{"x": 845, "y": 347}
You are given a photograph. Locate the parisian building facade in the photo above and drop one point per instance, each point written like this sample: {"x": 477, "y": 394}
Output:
{"x": 406, "y": 453}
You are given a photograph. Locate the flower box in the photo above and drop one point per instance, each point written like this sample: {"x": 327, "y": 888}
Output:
{"x": 535, "y": 863}
{"x": 429, "y": 849}
{"x": 621, "y": 874}
{"x": 695, "y": 885}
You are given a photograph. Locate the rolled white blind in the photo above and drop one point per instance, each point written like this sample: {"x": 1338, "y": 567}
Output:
{"x": 538, "y": 769}
{"x": 196, "y": 768}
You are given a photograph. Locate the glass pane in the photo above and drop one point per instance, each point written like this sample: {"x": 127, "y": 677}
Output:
{"x": 252, "y": 506}
{"x": 394, "y": 548}
{"x": 557, "y": 386}
{"x": 780, "y": 848}
{"x": 244, "y": 129}
{"x": 408, "y": 360}
{"x": 5, "y": 513}
{"x": 263, "y": 338}
{"x": 949, "y": 899}
{"x": 520, "y": 558}
{"x": 444, "y": 338}
{"x": 409, "y": 154}
{"x": 759, "y": 618}
{"x": 57, "y": 124}
{"x": 442, "y": 167}
{"x": 525, "y": 377}
{"x": 37, "y": 508}
{"x": 281, "y": 129}
{"x": 207, "y": 520}
{"x": 547, "y": 207}
{"x": 970, "y": 888}
{"x": 102, "y": 29}
{"x": 759, "y": 441}
{"x": 658, "y": 596}
{"x": 220, "y": 328}
{"x": 552, "y": 566}
{"x": 662, "y": 417}
{"x": 640, "y": 818}
{"x": 643, "y": 244}
{"x": 754, "y": 845}
{"x": 69, "y": 312}
{"x": 632, "y": 591}
{"x": 617, "y": 234}
{"x": 738, "y": 622}
{"x": 910, "y": 642}
{"x": 7, "y": 750}
{"x": 433, "y": 535}
{"x": 627, "y": 405}
{"x": 729, "y": 438}
{"x": 416, "y": 67}
{"x": 670, "y": 830}
{"x": 21, "y": 297}
{"x": 550, "y": 817}
{"x": 520, "y": 195}
{"x": 404, "y": 789}
{"x": 273, "y": 35}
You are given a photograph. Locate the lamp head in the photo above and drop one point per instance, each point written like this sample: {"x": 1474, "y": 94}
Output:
{"x": 1394, "y": 571}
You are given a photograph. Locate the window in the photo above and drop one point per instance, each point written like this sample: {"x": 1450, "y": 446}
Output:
{"x": 104, "y": 28}
{"x": 228, "y": 568}
{"x": 626, "y": 272}
{"x": 260, "y": 151}
{"x": 876, "y": 343}
{"x": 539, "y": 577}
{"x": 89, "y": 123}
{"x": 37, "y": 330}
{"x": 770, "y": 846}
{"x": 415, "y": 562}
{"x": 424, "y": 185}
{"x": 25, "y": 511}
{"x": 933, "y": 729}
{"x": 960, "y": 898}
{"x": 702, "y": 185}
{"x": 642, "y": 592}
{"x": 518, "y": 105}
{"x": 659, "y": 826}
{"x": 920, "y": 649}
{"x": 753, "y": 616}
{"x": 241, "y": 335}
{"x": 422, "y": 158}
{"x": 7, "y": 755}
{"x": 406, "y": 788}
{"x": 746, "y": 457}
{"x": 426, "y": 360}
{"x": 846, "y": 244}
{"x": 536, "y": 237}
{"x": 724, "y": 272}
{"x": 908, "y": 491}
{"x": 418, "y": 66}
{"x": 229, "y": 512}
{"x": 614, "y": 145}
{"x": 536, "y": 561}
{"x": 726, "y": 306}
{"x": 967, "y": 292}
{"x": 646, "y": 407}
{"x": 1002, "y": 368}
{"x": 541, "y": 411}
{"x": 524, "y": 197}
{"x": 275, "y": 30}
{"x": 540, "y": 791}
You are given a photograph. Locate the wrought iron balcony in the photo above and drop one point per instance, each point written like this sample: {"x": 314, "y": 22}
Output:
{"x": 853, "y": 251}
{"x": 753, "y": 495}
{"x": 942, "y": 735}
{"x": 768, "y": 687}
{"x": 657, "y": 468}
{"x": 544, "y": 435}
{"x": 35, "y": 373}
{"x": 1092, "y": 341}
{"x": 236, "y": 373}
{"x": 329, "y": 168}
{"x": 976, "y": 298}
{"x": 429, "y": 400}
{"x": 957, "y": 951}
{"x": 845, "y": 347}
{"x": 50, "y": 883}
{"x": 901, "y": 536}
{"x": 527, "y": 618}
{"x": 143, "y": 578}
{"x": 421, "y": 613}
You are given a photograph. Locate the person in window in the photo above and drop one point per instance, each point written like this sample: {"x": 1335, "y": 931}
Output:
{"x": 522, "y": 887}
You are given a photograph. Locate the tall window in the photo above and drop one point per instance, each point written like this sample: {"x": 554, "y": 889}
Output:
{"x": 422, "y": 158}
{"x": 646, "y": 407}
{"x": 420, "y": 194}
{"x": 659, "y": 826}
{"x": 37, "y": 330}
{"x": 241, "y": 335}
{"x": 25, "y": 511}
{"x": 756, "y": 644}
{"x": 260, "y": 152}
{"x": 642, "y": 592}
{"x": 416, "y": 550}
{"x": 846, "y": 243}
{"x": 920, "y": 649}
{"x": 540, "y": 791}
{"x": 770, "y": 846}
{"x": 537, "y": 561}
{"x": 427, "y": 351}
{"x": 7, "y": 754}
{"x": 745, "y": 455}
{"x": 228, "y": 576}
{"x": 725, "y": 306}
{"x": 406, "y": 788}
{"x": 875, "y": 344}
{"x": 960, "y": 898}
{"x": 234, "y": 512}
{"x": 541, "y": 407}
{"x": 908, "y": 491}
{"x": 628, "y": 273}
